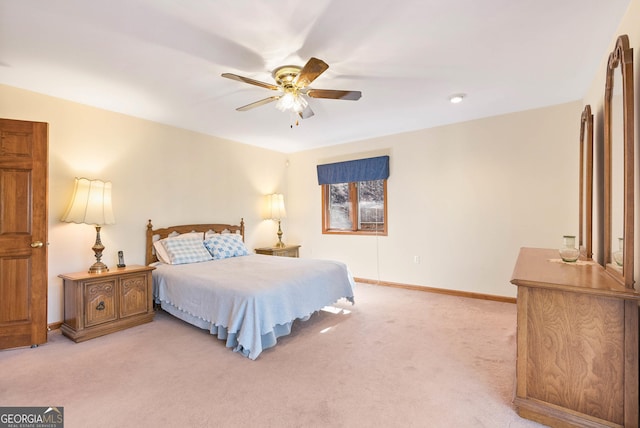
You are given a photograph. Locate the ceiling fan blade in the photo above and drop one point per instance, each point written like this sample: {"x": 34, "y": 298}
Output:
{"x": 306, "y": 113}
{"x": 258, "y": 103}
{"x": 311, "y": 70}
{"x": 250, "y": 81}
{"x": 334, "y": 94}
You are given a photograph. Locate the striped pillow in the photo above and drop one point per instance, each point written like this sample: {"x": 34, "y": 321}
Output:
{"x": 186, "y": 250}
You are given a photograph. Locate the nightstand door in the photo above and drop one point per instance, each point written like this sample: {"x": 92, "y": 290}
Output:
{"x": 100, "y": 301}
{"x": 133, "y": 295}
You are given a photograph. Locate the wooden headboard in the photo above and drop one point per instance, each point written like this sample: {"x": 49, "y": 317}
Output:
{"x": 150, "y": 256}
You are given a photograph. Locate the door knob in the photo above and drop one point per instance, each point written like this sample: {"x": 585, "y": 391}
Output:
{"x": 36, "y": 244}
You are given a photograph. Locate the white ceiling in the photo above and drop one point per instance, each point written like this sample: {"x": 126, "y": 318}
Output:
{"x": 161, "y": 60}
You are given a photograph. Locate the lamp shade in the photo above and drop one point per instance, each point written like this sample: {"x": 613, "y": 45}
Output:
{"x": 90, "y": 203}
{"x": 275, "y": 207}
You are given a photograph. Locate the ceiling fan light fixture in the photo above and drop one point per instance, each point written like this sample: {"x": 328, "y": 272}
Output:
{"x": 457, "y": 98}
{"x": 301, "y": 104}
{"x": 292, "y": 101}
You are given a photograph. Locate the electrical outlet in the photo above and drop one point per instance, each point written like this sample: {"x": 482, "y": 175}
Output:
{"x": 416, "y": 259}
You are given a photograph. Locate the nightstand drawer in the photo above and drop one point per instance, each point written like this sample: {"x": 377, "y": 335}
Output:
{"x": 100, "y": 302}
{"x": 286, "y": 251}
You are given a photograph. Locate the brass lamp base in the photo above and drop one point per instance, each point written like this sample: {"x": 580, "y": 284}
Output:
{"x": 98, "y": 266}
{"x": 279, "y": 244}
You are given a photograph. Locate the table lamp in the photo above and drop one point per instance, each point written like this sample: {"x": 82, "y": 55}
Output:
{"x": 91, "y": 204}
{"x": 275, "y": 211}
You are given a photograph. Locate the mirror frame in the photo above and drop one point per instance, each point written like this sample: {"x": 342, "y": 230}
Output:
{"x": 621, "y": 57}
{"x": 585, "y": 234}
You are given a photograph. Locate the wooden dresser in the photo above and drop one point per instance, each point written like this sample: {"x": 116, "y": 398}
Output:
{"x": 577, "y": 362}
{"x": 99, "y": 304}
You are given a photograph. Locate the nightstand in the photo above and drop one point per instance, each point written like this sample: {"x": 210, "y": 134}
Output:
{"x": 286, "y": 251}
{"x": 99, "y": 304}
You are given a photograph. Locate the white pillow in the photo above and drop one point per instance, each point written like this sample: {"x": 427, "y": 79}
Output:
{"x": 161, "y": 252}
{"x": 225, "y": 246}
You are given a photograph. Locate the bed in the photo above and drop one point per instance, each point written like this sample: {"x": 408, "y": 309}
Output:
{"x": 248, "y": 300}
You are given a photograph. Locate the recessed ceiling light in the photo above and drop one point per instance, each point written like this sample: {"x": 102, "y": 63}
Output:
{"x": 456, "y": 98}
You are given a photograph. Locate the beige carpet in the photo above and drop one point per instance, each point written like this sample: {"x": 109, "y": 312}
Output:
{"x": 398, "y": 358}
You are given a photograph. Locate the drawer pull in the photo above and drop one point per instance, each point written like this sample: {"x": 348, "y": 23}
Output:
{"x": 100, "y": 306}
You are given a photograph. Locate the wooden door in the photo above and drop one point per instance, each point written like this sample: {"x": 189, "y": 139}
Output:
{"x": 23, "y": 233}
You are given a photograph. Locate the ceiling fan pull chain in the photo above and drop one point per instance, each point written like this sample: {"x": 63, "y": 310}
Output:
{"x": 293, "y": 119}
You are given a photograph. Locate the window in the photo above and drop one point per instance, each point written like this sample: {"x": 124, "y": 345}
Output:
{"x": 354, "y": 196}
{"x": 355, "y": 208}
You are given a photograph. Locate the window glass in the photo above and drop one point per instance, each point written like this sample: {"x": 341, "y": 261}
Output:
{"x": 371, "y": 205}
{"x": 340, "y": 206}
{"x": 356, "y": 208}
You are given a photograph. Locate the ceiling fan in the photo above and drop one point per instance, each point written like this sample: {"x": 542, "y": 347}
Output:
{"x": 293, "y": 84}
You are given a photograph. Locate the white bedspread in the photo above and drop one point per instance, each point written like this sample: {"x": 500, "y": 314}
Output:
{"x": 249, "y": 297}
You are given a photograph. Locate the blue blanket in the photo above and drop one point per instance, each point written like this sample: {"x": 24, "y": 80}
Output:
{"x": 250, "y": 301}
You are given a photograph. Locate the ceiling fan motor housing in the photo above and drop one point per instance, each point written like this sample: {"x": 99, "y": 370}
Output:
{"x": 285, "y": 75}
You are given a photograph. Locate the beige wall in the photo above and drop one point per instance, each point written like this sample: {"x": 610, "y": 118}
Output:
{"x": 169, "y": 175}
{"x": 463, "y": 198}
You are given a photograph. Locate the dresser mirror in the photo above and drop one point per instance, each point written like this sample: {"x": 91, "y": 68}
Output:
{"x": 617, "y": 174}
{"x": 619, "y": 164}
{"x": 585, "y": 236}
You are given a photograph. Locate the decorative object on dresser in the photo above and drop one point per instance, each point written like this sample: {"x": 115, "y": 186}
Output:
{"x": 244, "y": 299}
{"x": 275, "y": 211}
{"x": 286, "y": 251}
{"x": 577, "y": 334}
{"x": 91, "y": 204}
{"x": 99, "y": 304}
{"x": 568, "y": 252}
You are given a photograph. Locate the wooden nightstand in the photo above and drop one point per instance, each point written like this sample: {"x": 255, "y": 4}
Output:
{"x": 99, "y": 304}
{"x": 286, "y": 251}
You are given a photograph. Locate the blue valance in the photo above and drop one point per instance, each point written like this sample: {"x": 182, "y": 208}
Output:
{"x": 356, "y": 170}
